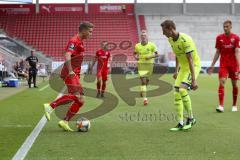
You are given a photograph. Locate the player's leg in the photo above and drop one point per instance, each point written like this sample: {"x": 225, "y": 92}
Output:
{"x": 64, "y": 99}
{"x": 34, "y": 77}
{"x": 77, "y": 91}
{"x": 73, "y": 110}
{"x": 30, "y": 76}
{"x": 142, "y": 74}
{"x": 104, "y": 82}
{"x": 184, "y": 88}
{"x": 222, "y": 75}
{"x": 146, "y": 72}
{"x": 235, "y": 95}
{"x": 233, "y": 74}
{"x": 147, "y": 81}
{"x": 143, "y": 90}
{"x": 182, "y": 98}
{"x": 178, "y": 103}
{"x": 186, "y": 85}
{"x": 99, "y": 84}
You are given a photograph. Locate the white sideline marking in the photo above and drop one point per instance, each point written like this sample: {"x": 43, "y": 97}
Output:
{"x": 16, "y": 126}
{"x": 26, "y": 146}
{"x": 43, "y": 88}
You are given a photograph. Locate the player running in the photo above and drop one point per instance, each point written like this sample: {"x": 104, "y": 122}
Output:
{"x": 144, "y": 53}
{"x": 71, "y": 75}
{"x": 227, "y": 48}
{"x": 102, "y": 57}
{"x": 187, "y": 70}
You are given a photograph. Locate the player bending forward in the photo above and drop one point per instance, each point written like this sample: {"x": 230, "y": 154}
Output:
{"x": 187, "y": 70}
{"x": 71, "y": 75}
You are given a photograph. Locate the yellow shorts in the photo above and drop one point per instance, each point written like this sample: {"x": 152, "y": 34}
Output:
{"x": 184, "y": 77}
{"x": 145, "y": 69}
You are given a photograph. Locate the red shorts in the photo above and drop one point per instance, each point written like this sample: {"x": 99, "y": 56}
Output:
{"x": 229, "y": 72}
{"x": 103, "y": 74}
{"x": 73, "y": 84}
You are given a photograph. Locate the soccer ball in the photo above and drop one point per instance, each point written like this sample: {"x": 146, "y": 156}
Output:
{"x": 83, "y": 124}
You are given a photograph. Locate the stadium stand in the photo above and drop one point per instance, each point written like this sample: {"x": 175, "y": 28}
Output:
{"x": 50, "y": 32}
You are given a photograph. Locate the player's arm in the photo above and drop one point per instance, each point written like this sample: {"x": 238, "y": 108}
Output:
{"x": 155, "y": 55}
{"x": 189, "y": 51}
{"x": 237, "y": 51}
{"x": 218, "y": 46}
{"x": 68, "y": 63}
{"x": 176, "y": 69}
{"x": 154, "y": 51}
{"x": 70, "y": 50}
{"x": 215, "y": 58}
{"x": 135, "y": 53}
{"x": 237, "y": 54}
{"x": 191, "y": 66}
{"x": 136, "y": 56}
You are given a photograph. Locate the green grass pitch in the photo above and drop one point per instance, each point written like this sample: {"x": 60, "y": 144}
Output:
{"x": 116, "y": 136}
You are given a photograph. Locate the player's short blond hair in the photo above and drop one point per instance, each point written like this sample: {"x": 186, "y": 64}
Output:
{"x": 227, "y": 21}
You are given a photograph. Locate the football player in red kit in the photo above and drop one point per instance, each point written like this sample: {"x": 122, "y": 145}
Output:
{"x": 102, "y": 57}
{"x": 227, "y": 48}
{"x": 71, "y": 75}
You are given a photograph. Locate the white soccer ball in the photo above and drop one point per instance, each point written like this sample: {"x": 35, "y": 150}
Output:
{"x": 83, "y": 124}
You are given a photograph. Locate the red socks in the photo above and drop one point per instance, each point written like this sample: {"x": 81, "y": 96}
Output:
{"x": 65, "y": 99}
{"x": 74, "y": 108}
{"x": 221, "y": 94}
{"x": 235, "y": 95}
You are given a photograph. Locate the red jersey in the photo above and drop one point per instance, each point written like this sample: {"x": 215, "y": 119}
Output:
{"x": 76, "y": 48}
{"x": 226, "y": 45}
{"x": 102, "y": 58}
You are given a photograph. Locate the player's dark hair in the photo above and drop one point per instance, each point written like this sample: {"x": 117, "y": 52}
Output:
{"x": 169, "y": 24}
{"x": 85, "y": 26}
{"x": 227, "y": 21}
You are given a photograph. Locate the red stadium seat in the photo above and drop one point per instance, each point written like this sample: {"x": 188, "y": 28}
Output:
{"x": 49, "y": 33}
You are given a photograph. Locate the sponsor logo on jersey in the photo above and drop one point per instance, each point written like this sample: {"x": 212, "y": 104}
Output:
{"x": 228, "y": 46}
{"x": 71, "y": 47}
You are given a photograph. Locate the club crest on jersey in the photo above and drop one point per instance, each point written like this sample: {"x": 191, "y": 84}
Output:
{"x": 232, "y": 40}
{"x": 71, "y": 47}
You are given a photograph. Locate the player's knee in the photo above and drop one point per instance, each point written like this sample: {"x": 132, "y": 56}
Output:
{"x": 234, "y": 83}
{"x": 80, "y": 100}
{"x": 75, "y": 108}
{"x": 143, "y": 83}
{"x": 222, "y": 82}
